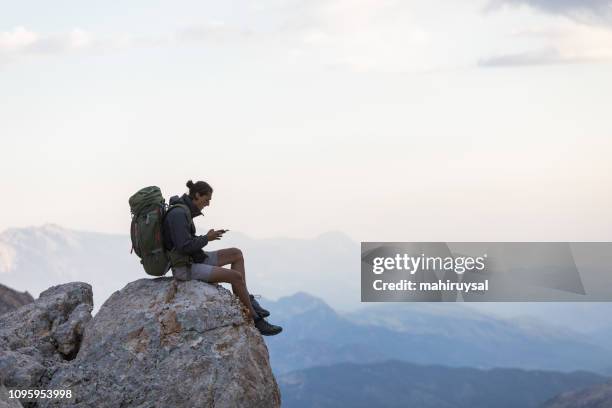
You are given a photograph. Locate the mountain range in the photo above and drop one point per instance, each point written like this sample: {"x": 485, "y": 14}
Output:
{"x": 335, "y": 351}
{"x": 317, "y": 331}
{"x": 35, "y": 258}
{"x": 315, "y": 334}
{"x": 328, "y": 265}
{"x": 393, "y": 384}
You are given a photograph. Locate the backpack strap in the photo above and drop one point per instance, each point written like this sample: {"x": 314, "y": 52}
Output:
{"x": 183, "y": 206}
{"x": 175, "y": 258}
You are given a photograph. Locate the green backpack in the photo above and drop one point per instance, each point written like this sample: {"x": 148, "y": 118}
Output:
{"x": 148, "y": 209}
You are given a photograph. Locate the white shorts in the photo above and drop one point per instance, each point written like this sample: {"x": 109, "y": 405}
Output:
{"x": 198, "y": 271}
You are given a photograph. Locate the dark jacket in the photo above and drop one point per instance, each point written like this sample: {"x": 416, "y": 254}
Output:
{"x": 179, "y": 232}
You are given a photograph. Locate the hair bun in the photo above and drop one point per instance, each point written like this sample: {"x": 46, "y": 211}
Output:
{"x": 190, "y": 184}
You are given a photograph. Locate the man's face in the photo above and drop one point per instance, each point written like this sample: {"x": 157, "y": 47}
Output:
{"x": 202, "y": 201}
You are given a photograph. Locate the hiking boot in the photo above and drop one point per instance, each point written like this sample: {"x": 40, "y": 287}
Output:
{"x": 267, "y": 329}
{"x": 260, "y": 310}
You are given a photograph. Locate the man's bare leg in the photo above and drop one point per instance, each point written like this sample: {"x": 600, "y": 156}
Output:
{"x": 232, "y": 256}
{"x": 236, "y": 277}
{"x": 238, "y": 286}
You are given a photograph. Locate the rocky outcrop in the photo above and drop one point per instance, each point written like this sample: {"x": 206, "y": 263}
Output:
{"x": 163, "y": 343}
{"x": 5, "y": 401}
{"x": 11, "y": 299}
{"x": 39, "y": 337}
{"x": 155, "y": 343}
{"x": 598, "y": 396}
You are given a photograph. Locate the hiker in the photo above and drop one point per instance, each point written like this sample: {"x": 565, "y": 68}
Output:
{"x": 189, "y": 261}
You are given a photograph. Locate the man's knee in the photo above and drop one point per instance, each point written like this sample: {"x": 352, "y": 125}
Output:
{"x": 235, "y": 277}
{"x": 237, "y": 254}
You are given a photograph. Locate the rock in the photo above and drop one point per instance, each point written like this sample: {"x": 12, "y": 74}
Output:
{"x": 11, "y": 299}
{"x": 68, "y": 334}
{"x": 163, "y": 343}
{"x": 22, "y": 370}
{"x": 5, "y": 402}
{"x": 40, "y": 336}
{"x": 156, "y": 343}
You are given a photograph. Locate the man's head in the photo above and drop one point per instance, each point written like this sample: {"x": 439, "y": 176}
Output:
{"x": 200, "y": 193}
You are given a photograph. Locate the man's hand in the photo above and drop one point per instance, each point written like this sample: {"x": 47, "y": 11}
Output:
{"x": 213, "y": 235}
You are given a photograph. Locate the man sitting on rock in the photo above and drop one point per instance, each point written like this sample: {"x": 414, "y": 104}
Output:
{"x": 189, "y": 261}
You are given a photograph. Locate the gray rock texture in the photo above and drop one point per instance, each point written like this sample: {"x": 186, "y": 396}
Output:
{"x": 11, "y": 299}
{"x": 39, "y": 337}
{"x": 5, "y": 401}
{"x": 163, "y": 343}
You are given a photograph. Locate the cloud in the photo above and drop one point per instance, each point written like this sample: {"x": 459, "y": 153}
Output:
{"x": 586, "y": 11}
{"x": 215, "y": 31}
{"x": 23, "y": 43}
{"x": 562, "y": 42}
{"x": 18, "y": 39}
{"x": 393, "y": 36}
{"x": 383, "y": 36}
{"x": 387, "y": 36}
{"x": 562, "y": 6}
{"x": 545, "y": 56}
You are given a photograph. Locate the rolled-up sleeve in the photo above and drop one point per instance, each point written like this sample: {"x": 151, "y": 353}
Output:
{"x": 180, "y": 232}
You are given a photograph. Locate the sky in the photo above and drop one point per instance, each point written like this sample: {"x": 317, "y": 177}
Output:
{"x": 414, "y": 120}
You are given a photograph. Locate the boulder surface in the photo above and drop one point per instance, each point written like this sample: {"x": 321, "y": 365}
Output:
{"x": 164, "y": 343}
{"x": 39, "y": 337}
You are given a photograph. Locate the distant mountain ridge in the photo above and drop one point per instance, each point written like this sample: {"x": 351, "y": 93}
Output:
{"x": 328, "y": 265}
{"x": 596, "y": 396}
{"x": 35, "y": 258}
{"x": 394, "y": 384}
{"x": 316, "y": 335}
